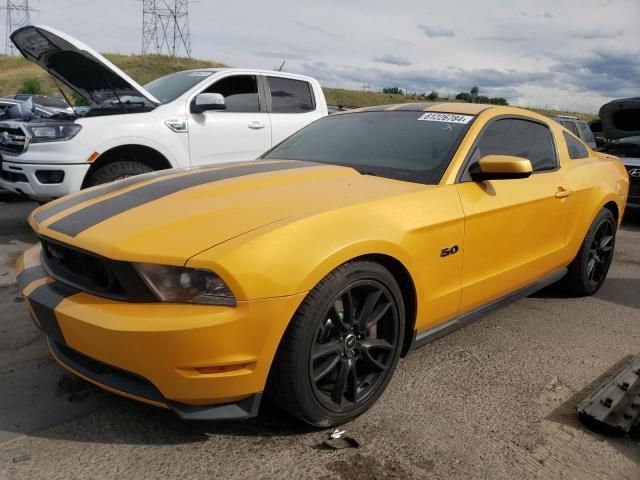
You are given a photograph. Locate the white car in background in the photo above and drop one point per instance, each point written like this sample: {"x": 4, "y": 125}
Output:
{"x": 186, "y": 118}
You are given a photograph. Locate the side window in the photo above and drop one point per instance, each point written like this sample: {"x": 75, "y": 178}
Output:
{"x": 575, "y": 147}
{"x": 240, "y": 93}
{"x": 290, "y": 96}
{"x": 520, "y": 138}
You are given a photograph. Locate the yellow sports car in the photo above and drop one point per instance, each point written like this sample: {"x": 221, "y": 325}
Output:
{"x": 307, "y": 273}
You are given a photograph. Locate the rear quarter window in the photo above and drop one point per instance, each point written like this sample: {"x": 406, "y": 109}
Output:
{"x": 576, "y": 148}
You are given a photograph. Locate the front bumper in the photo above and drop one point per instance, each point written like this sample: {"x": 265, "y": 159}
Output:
{"x": 152, "y": 352}
{"x": 22, "y": 179}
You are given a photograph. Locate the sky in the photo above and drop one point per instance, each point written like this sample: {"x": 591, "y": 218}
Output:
{"x": 567, "y": 54}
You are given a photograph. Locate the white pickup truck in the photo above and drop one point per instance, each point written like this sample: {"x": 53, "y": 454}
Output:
{"x": 186, "y": 118}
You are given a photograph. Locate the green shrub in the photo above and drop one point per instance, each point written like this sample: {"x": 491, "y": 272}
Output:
{"x": 433, "y": 96}
{"x": 31, "y": 85}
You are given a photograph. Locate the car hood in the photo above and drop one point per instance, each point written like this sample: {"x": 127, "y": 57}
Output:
{"x": 77, "y": 65}
{"x": 621, "y": 118}
{"x": 169, "y": 216}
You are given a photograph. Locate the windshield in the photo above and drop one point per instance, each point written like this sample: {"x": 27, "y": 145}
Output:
{"x": 171, "y": 86}
{"x": 404, "y": 145}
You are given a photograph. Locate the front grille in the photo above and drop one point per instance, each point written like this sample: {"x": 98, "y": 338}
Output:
{"x": 12, "y": 138}
{"x": 634, "y": 181}
{"x": 94, "y": 274}
{"x": 10, "y": 176}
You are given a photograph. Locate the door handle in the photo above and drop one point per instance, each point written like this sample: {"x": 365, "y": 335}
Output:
{"x": 563, "y": 192}
{"x": 256, "y": 125}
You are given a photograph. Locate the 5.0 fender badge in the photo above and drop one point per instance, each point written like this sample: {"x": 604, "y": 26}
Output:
{"x": 445, "y": 252}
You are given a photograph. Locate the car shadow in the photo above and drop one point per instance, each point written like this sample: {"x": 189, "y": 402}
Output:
{"x": 128, "y": 422}
{"x": 623, "y": 291}
{"x": 631, "y": 220}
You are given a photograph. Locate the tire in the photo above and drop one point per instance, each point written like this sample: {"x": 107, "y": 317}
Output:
{"x": 589, "y": 269}
{"x": 325, "y": 347}
{"x": 116, "y": 171}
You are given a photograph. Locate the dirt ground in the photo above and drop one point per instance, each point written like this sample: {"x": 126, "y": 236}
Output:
{"x": 495, "y": 400}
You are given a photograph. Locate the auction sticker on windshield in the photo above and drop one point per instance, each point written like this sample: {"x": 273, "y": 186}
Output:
{"x": 446, "y": 117}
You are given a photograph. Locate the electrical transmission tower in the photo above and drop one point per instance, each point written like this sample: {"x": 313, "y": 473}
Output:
{"x": 18, "y": 15}
{"x": 165, "y": 27}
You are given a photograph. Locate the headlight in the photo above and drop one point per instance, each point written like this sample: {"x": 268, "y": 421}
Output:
{"x": 185, "y": 285}
{"x": 56, "y": 132}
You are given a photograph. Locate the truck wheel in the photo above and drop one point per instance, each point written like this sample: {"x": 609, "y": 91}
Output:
{"x": 116, "y": 171}
{"x": 589, "y": 269}
{"x": 341, "y": 347}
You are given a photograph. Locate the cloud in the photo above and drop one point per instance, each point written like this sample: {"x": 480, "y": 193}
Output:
{"x": 595, "y": 34}
{"x": 505, "y": 37}
{"x": 544, "y": 15}
{"x": 492, "y": 81}
{"x": 392, "y": 60}
{"x": 611, "y": 73}
{"x": 317, "y": 29}
{"x": 433, "y": 32}
{"x": 282, "y": 55}
{"x": 527, "y": 55}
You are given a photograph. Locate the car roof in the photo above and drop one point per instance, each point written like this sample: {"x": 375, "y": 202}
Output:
{"x": 461, "y": 108}
{"x": 258, "y": 71}
{"x": 449, "y": 107}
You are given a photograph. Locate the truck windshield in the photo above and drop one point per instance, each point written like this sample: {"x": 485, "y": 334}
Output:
{"x": 171, "y": 86}
{"x": 412, "y": 146}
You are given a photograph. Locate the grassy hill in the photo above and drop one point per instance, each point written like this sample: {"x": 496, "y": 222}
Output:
{"x": 15, "y": 70}
{"x": 356, "y": 98}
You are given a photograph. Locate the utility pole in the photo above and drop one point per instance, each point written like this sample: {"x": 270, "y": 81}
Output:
{"x": 165, "y": 27}
{"x": 18, "y": 15}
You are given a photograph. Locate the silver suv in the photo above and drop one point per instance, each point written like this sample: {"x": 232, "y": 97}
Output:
{"x": 578, "y": 127}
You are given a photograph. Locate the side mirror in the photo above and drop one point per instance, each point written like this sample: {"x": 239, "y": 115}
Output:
{"x": 207, "y": 101}
{"x": 500, "y": 167}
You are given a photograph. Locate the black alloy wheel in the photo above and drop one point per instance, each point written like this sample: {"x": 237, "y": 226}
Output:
{"x": 341, "y": 347}
{"x": 589, "y": 269}
{"x": 600, "y": 254}
{"x": 354, "y": 345}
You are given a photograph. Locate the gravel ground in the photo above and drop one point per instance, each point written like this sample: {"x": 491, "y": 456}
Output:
{"x": 495, "y": 400}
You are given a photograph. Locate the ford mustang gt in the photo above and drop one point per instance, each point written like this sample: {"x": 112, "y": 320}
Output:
{"x": 307, "y": 273}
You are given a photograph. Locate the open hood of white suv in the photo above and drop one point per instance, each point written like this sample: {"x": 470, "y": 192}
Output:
{"x": 78, "y": 66}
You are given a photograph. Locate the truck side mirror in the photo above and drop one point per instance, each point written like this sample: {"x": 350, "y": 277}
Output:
{"x": 207, "y": 101}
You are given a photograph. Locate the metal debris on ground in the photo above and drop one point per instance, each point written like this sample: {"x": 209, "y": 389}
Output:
{"x": 338, "y": 440}
{"x": 615, "y": 403}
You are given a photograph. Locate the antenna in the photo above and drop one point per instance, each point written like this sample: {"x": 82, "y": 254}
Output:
{"x": 18, "y": 15}
{"x": 165, "y": 27}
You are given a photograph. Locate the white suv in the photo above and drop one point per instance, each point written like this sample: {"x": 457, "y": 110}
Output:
{"x": 191, "y": 117}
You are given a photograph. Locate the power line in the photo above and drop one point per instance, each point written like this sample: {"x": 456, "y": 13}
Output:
{"x": 18, "y": 15}
{"x": 165, "y": 27}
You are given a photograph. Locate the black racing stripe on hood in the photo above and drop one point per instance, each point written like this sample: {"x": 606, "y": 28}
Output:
{"x": 91, "y": 215}
{"x": 95, "y": 192}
